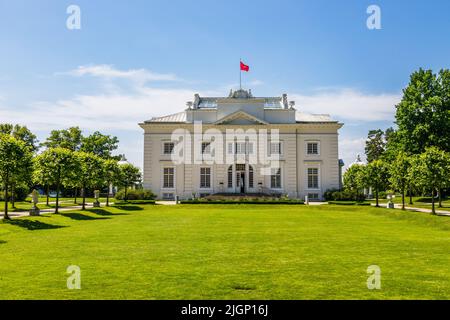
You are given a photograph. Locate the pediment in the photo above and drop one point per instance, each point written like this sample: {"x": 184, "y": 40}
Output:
{"x": 240, "y": 117}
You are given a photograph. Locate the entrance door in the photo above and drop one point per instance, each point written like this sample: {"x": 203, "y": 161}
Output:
{"x": 240, "y": 178}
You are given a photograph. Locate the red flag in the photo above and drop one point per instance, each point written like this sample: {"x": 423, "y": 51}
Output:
{"x": 244, "y": 67}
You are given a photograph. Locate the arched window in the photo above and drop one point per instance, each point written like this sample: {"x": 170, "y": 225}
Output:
{"x": 230, "y": 177}
{"x": 250, "y": 177}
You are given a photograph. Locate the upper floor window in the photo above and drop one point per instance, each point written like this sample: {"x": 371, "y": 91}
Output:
{"x": 206, "y": 147}
{"x": 168, "y": 147}
{"x": 240, "y": 148}
{"x": 312, "y": 148}
{"x": 275, "y": 148}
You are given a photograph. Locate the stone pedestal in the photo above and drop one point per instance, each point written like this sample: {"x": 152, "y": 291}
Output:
{"x": 96, "y": 204}
{"x": 35, "y": 211}
{"x": 390, "y": 205}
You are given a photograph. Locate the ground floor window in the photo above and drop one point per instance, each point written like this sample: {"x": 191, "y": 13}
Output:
{"x": 230, "y": 177}
{"x": 205, "y": 177}
{"x": 275, "y": 179}
{"x": 168, "y": 196}
{"x": 313, "y": 196}
{"x": 313, "y": 178}
{"x": 169, "y": 178}
{"x": 250, "y": 177}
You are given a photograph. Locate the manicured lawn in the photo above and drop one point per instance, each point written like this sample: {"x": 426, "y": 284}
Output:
{"x": 227, "y": 252}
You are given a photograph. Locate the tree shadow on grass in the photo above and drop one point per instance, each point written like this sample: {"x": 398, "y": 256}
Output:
{"x": 2, "y": 241}
{"x": 79, "y": 216}
{"x": 32, "y": 224}
{"x": 103, "y": 212}
{"x": 128, "y": 207}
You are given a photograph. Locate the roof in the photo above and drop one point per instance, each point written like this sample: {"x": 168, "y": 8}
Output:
{"x": 180, "y": 117}
{"x": 172, "y": 118}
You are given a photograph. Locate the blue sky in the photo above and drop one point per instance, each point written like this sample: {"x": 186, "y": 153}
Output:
{"x": 132, "y": 60}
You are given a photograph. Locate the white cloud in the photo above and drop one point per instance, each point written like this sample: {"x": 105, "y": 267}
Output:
{"x": 349, "y": 148}
{"x": 109, "y": 72}
{"x": 349, "y": 104}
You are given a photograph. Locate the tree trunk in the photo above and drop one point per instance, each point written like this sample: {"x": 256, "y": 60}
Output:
{"x": 13, "y": 203}
{"x": 440, "y": 197}
{"x": 57, "y": 190}
{"x": 403, "y": 199}
{"x": 47, "y": 194}
{"x": 126, "y": 195}
{"x": 75, "y": 198}
{"x": 410, "y": 195}
{"x": 6, "y": 217}
{"x": 433, "y": 211}
{"x": 84, "y": 199}
{"x": 107, "y": 199}
{"x": 376, "y": 196}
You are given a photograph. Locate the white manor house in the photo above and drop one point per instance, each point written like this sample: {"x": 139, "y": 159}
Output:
{"x": 241, "y": 144}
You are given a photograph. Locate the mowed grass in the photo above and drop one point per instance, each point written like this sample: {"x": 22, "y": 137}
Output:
{"x": 227, "y": 252}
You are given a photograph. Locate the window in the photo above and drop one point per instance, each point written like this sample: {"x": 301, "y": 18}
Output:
{"x": 230, "y": 148}
{"x": 240, "y": 147}
{"x": 313, "y": 196}
{"x": 249, "y": 147}
{"x": 205, "y": 177}
{"x": 168, "y": 178}
{"x": 250, "y": 177}
{"x": 168, "y": 196}
{"x": 275, "y": 148}
{"x": 168, "y": 147}
{"x": 206, "y": 147}
{"x": 275, "y": 179}
{"x": 313, "y": 178}
{"x": 230, "y": 177}
{"x": 312, "y": 148}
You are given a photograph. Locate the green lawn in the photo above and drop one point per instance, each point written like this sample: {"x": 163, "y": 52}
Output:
{"x": 227, "y": 252}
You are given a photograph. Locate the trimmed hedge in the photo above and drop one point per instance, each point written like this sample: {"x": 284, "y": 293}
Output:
{"x": 349, "y": 203}
{"x": 196, "y": 201}
{"x": 120, "y": 202}
{"x": 135, "y": 195}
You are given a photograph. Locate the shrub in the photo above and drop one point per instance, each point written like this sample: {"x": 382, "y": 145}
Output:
{"x": 344, "y": 195}
{"x": 135, "y": 195}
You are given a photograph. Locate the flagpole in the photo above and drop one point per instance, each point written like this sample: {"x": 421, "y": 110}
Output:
{"x": 240, "y": 75}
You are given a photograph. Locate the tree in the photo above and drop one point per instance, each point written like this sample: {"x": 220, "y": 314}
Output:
{"x": 353, "y": 179}
{"x": 41, "y": 176}
{"x": 68, "y": 139}
{"x": 90, "y": 172}
{"x": 111, "y": 175}
{"x": 423, "y": 115}
{"x": 99, "y": 144}
{"x": 129, "y": 176}
{"x": 431, "y": 171}
{"x": 375, "y": 145}
{"x": 20, "y": 133}
{"x": 58, "y": 166}
{"x": 376, "y": 175}
{"x": 15, "y": 163}
{"x": 399, "y": 174}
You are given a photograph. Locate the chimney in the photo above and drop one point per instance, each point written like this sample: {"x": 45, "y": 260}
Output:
{"x": 196, "y": 100}
{"x": 285, "y": 101}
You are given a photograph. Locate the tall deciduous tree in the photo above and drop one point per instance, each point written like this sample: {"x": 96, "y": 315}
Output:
{"x": 67, "y": 138}
{"x": 20, "y": 133}
{"x": 111, "y": 175}
{"x": 99, "y": 144}
{"x": 57, "y": 164}
{"x": 376, "y": 176}
{"x": 399, "y": 174}
{"x": 353, "y": 179}
{"x": 423, "y": 115}
{"x": 15, "y": 163}
{"x": 430, "y": 170}
{"x": 129, "y": 176}
{"x": 375, "y": 145}
{"x": 91, "y": 172}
